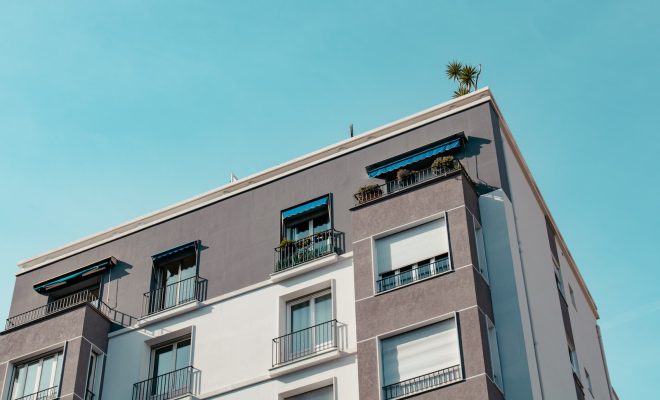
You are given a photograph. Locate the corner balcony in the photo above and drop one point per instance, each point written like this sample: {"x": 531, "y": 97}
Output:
{"x": 291, "y": 254}
{"x": 172, "y": 385}
{"x": 371, "y": 193}
{"x": 422, "y": 383}
{"x": 174, "y": 295}
{"x": 66, "y": 303}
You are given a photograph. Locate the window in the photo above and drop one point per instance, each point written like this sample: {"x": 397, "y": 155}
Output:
{"x": 570, "y": 291}
{"x": 552, "y": 240}
{"x": 420, "y": 359}
{"x": 174, "y": 279}
{"x": 94, "y": 376}
{"x": 40, "y": 376}
{"x": 307, "y": 219}
{"x": 588, "y": 378}
{"x": 309, "y": 324}
{"x": 481, "y": 250}
{"x": 411, "y": 255}
{"x": 560, "y": 282}
{"x": 324, "y": 393}
{"x": 572, "y": 356}
{"x": 171, "y": 374}
{"x": 494, "y": 353}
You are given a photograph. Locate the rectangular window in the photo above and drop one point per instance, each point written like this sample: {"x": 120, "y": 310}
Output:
{"x": 174, "y": 280}
{"x": 552, "y": 240}
{"x": 570, "y": 291}
{"x": 494, "y": 354}
{"x": 481, "y": 250}
{"x": 171, "y": 374}
{"x": 94, "y": 376}
{"x": 560, "y": 282}
{"x": 572, "y": 356}
{"x": 310, "y": 325}
{"x": 411, "y": 255}
{"x": 588, "y": 378}
{"x": 324, "y": 393}
{"x": 421, "y": 359}
{"x": 38, "y": 378}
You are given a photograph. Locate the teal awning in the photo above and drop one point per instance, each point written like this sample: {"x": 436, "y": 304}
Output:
{"x": 309, "y": 206}
{"x": 75, "y": 276}
{"x": 393, "y": 165}
{"x": 176, "y": 251}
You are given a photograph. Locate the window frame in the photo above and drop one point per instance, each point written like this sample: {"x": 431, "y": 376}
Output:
{"x": 54, "y": 380}
{"x": 174, "y": 343}
{"x": 284, "y": 233}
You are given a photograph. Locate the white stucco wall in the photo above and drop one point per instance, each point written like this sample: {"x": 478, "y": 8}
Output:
{"x": 232, "y": 342}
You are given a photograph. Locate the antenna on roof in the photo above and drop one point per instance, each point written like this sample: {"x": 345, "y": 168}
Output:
{"x": 350, "y": 129}
{"x": 232, "y": 178}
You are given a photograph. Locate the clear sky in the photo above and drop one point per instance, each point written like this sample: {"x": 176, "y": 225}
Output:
{"x": 110, "y": 110}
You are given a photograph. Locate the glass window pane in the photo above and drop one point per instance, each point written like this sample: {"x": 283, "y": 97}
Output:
{"x": 163, "y": 361}
{"x": 31, "y": 378}
{"x": 46, "y": 373}
{"x": 19, "y": 381}
{"x": 58, "y": 368}
{"x": 323, "y": 309}
{"x": 182, "y": 354}
{"x": 300, "y": 316}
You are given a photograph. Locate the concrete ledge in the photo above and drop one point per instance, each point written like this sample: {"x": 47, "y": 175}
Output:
{"x": 306, "y": 362}
{"x": 304, "y": 268}
{"x": 169, "y": 313}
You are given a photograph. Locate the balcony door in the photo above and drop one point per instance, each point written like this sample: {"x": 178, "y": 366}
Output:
{"x": 175, "y": 282}
{"x": 170, "y": 373}
{"x": 309, "y": 326}
{"x": 38, "y": 379}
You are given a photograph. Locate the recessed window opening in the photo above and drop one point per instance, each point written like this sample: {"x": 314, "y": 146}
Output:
{"x": 174, "y": 279}
{"x": 310, "y": 325}
{"x": 324, "y": 393}
{"x": 38, "y": 378}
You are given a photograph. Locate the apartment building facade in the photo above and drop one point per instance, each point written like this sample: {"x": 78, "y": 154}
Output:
{"x": 415, "y": 260}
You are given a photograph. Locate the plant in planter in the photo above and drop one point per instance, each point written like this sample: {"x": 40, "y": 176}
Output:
{"x": 368, "y": 192}
{"x": 403, "y": 175}
{"x": 442, "y": 164}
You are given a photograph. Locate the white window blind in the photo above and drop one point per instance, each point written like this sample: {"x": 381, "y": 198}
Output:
{"x": 325, "y": 393}
{"x": 415, "y": 244}
{"x": 419, "y": 352}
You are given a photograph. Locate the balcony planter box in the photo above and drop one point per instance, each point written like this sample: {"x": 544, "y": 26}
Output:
{"x": 368, "y": 193}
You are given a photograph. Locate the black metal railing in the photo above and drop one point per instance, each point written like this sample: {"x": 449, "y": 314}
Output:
{"x": 89, "y": 395}
{"x": 418, "y": 273}
{"x": 46, "y": 394}
{"x": 66, "y": 303}
{"x": 422, "y": 383}
{"x": 167, "y": 386}
{"x": 307, "y": 249}
{"x": 304, "y": 342}
{"x": 173, "y": 295}
{"x": 375, "y": 192}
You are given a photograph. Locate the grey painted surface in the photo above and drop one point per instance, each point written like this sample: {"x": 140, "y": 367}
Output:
{"x": 238, "y": 234}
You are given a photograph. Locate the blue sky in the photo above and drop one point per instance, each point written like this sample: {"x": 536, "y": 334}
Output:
{"x": 109, "y": 110}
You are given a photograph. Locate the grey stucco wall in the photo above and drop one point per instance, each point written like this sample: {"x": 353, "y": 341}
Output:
{"x": 238, "y": 234}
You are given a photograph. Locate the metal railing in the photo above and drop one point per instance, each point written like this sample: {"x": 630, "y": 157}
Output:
{"x": 89, "y": 395}
{"x": 167, "y": 386}
{"x": 173, "y": 295}
{"x": 413, "y": 275}
{"x": 397, "y": 185}
{"x": 66, "y": 303}
{"x": 46, "y": 394}
{"x": 307, "y": 249}
{"x": 422, "y": 383}
{"x": 304, "y": 342}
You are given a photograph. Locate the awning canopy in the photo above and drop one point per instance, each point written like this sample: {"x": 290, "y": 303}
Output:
{"x": 75, "y": 276}
{"x": 393, "y": 164}
{"x": 175, "y": 251}
{"x": 309, "y": 206}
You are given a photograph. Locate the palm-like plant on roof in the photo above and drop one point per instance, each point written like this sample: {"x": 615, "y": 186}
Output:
{"x": 467, "y": 77}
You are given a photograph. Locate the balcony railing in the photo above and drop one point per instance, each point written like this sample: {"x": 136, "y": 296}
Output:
{"x": 167, "y": 386}
{"x": 46, "y": 394}
{"x": 413, "y": 275}
{"x": 307, "y": 249}
{"x": 422, "y": 383}
{"x": 305, "y": 342}
{"x": 66, "y": 303}
{"x": 174, "y": 295}
{"x": 390, "y": 187}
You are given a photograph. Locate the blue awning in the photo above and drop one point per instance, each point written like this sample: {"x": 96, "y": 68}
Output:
{"x": 175, "y": 251}
{"x": 309, "y": 206}
{"x": 378, "y": 170}
{"x": 75, "y": 276}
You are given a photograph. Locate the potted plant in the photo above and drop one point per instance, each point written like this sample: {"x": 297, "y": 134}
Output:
{"x": 368, "y": 192}
{"x": 442, "y": 164}
{"x": 405, "y": 177}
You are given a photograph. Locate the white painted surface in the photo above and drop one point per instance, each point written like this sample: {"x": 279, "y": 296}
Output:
{"x": 232, "y": 343}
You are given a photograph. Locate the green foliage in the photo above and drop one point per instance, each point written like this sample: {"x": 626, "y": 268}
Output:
{"x": 467, "y": 77}
{"x": 402, "y": 174}
{"x": 369, "y": 189}
{"x": 442, "y": 163}
{"x": 286, "y": 243}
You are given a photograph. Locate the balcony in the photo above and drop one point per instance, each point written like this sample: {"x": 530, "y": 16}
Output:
{"x": 46, "y": 394}
{"x": 174, "y": 295}
{"x": 66, "y": 303}
{"x": 422, "y": 383}
{"x": 371, "y": 193}
{"x": 412, "y": 275}
{"x": 305, "y": 343}
{"x": 293, "y": 253}
{"x": 178, "y": 383}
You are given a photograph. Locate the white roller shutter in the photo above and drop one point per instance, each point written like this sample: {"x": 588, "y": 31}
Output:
{"x": 412, "y": 245}
{"x": 419, "y": 352}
